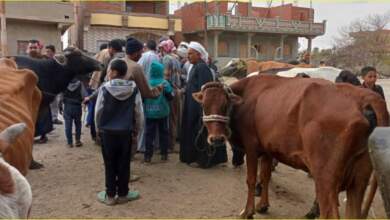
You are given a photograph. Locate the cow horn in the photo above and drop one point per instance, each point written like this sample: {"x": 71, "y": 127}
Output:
{"x": 9, "y": 134}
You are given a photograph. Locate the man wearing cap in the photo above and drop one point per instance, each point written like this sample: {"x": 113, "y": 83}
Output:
{"x": 199, "y": 75}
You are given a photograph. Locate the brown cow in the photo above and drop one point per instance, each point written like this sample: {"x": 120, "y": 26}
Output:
{"x": 19, "y": 102}
{"x": 305, "y": 123}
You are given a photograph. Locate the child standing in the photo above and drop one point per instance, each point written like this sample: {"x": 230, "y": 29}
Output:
{"x": 157, "y": 113}
{"x": 369, "y": 79}
{"x": 72, "y": 99}
{"x": 114, "y": 115}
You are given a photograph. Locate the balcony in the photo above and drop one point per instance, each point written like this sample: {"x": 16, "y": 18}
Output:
{"x": 264, "y": 25}
{"x": 135, "y": 20}
{"x": 48, "y": 12}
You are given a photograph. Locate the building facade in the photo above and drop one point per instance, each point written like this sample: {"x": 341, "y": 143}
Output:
{"x": 106, "y": 20}
{"x": 237, "y": 29}
{"x": 43, "y": 21}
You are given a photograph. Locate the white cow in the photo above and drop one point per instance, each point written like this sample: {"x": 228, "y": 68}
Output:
{"x": 328, "y": 73}
{"x": 15, "y": 191}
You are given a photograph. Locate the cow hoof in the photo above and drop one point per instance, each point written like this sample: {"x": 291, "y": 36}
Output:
{"x": 245, "y": 214}
{"x": 263, "y": 209}
{"x": 312, "y": 215}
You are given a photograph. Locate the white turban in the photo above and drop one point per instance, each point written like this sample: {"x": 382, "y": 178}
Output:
{"x": 198, "y": 47}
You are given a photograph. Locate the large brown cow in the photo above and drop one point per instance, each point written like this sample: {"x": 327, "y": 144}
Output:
{"x": 19, "y": 102}
{"x": 305, "y": 123}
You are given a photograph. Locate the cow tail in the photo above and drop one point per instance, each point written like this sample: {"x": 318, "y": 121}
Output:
{"x": 378, "y": 105}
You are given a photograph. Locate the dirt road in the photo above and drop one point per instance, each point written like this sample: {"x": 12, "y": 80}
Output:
{"x": 67, "y": 187}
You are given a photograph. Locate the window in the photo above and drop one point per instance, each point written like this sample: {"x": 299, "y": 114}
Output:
{"x": 128, "y": 6}
{"x": 22, "y": 47}
{"x": 232, "y": 8}
{"x": 302, "y": 17}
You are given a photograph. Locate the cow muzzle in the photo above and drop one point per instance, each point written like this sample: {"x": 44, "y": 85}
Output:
{"x": 216, "y": 140}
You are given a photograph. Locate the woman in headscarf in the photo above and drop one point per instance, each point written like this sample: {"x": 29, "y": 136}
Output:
{"x": 191, "y": 146}
{"x": 172, "y": 72}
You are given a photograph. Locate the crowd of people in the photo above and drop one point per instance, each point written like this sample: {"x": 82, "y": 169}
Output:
{"x": 141, "y": 102}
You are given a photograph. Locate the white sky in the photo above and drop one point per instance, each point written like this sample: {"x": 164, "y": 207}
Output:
{"x": 336, "y": 14}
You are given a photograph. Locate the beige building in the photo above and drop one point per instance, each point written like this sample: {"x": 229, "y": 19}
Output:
{"x": 103, "y": 21}
{"x": 44, "y": 21}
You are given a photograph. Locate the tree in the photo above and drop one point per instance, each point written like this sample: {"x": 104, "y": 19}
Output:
{"x": 364, "y": 42}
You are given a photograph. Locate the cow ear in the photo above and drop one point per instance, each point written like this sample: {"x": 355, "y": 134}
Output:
{"x": 235, "y": 99}
{"x": 198, "y": 96}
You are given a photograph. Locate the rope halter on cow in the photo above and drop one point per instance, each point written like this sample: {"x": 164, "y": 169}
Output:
{"x": 217, "y": 117}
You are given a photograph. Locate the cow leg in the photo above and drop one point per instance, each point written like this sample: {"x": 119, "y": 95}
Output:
{"x": 251, "y": 163}
{"x": 265, "y": 177}
{"x": 328, "y": 200}
{"x": 355, "y": 191}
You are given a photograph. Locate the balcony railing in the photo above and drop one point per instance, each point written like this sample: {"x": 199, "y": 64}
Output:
{"x": 264, "y": 25}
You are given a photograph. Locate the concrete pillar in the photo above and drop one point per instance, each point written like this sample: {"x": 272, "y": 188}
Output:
{"x": 4, "y": 45}
{"x": 282, "y": 37}
{"x": 295, "y": 49}
{"x": 250, "y": 35}
{"x": 216, "y": 42}
{"x": 309, "y": 44}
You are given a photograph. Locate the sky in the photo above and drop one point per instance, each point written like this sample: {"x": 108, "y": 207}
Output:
{"x": 337, "y": 15}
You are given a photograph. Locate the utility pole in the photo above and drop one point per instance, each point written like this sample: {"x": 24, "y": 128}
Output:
{"x": 79, "y": 25}
{"x": 206, "y": 43}
{"x": 3, "y": 36}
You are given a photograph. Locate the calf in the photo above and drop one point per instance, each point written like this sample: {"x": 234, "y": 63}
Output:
{"x": 15, "y": 191}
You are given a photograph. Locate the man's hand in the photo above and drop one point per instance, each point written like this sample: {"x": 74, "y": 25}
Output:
{"x": 86, "y": 100}
{"x": 160, "y": 87}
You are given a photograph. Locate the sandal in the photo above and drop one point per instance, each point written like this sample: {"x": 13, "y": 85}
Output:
{"x": 103, "y": 198}
{"x": 131, "y": 196}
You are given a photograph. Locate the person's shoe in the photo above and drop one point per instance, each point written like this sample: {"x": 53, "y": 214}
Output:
{"x": 131, "y": 196}
{"x": 34, "y": 165}
{"x": 79, "y": 144}
{"x": 105, "y": 199}
{"x": 164, "y": 157}
{"x": 134, "y": 178}
{"x": 57, "y": 122}
{"x": 147, "y": 160}
{"x": 42, "y": 140}
{"x": 70, "y": 145}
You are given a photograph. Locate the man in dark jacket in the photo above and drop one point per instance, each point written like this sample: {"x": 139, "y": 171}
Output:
{"x": 72, "y": 99}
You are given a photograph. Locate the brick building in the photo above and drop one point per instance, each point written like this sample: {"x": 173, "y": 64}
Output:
{"x": 43, "y": 21}
{"x": 237, "y": 29}
{"x": 106, "y": 20}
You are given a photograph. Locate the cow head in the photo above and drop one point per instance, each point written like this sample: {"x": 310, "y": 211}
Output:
{"x": 80, "y": 63}
{"x": 235, "y": 68}
{"x": 15, "y": 191}
{"x": 217, "y": 101}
